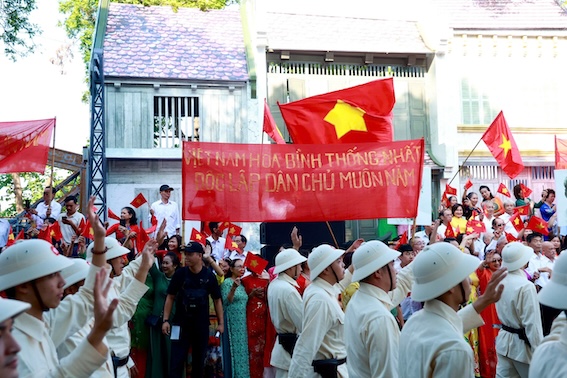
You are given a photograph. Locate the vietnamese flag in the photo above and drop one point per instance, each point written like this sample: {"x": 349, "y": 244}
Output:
{"x": 223, "y": 226}
{"x": 270, "y": 126}
{"x": 517, "y": 221}
{"x": 468, "y": 184}
{"x": 230, "y": 244}
{"x": 24, "y": 146}
{"x": 509, "y": 237}
{"x": 11, "y": 239}
{"x": 138, "y": 201}
{"x": 198, "y": 237}
{"x": 56, "y": 231}
{"x": 403, "y": 240}
{"x": 502, "y": 189}
{"x": 21, "y": 235}
{"x": 357, "y": 114}
{"x": 111, "y": 215}
{"x": 450, "y": 190}
{"x": 445, "y": 200}
{"x": 500, "y": 142}
{"x": 450, "y": 232}
{"x": 560, "y": 153}
{"x": 525, "y": 190}
{"x": 234, "y": 230}
{"x": 538, "y": 225}
{"x": 475, "y": 226}
{"x": 141, "y": 237}
{"x": 522, "y": 210}
{"x": 255, "y": 263}
{"x": 45, "y": 233}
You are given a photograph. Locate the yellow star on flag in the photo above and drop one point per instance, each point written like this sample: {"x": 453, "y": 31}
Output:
{"x": 540, "y": 226}
{"x": 232, "y": 230}
{"x": 506, "y": 145}
{"x": 198, "y": 237}
{"x": 346, "y": 118}
{"x": 505, "y": 190}
{"x": 234, "y": 245}
{"x": 253, "y": 263}
{"x": 517, "y": 221}
{"x": 470, "y": 229}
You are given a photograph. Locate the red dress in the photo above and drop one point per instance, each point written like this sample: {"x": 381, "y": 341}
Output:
{"x": 487, "y": 333}
{"x": 256, "y": 322}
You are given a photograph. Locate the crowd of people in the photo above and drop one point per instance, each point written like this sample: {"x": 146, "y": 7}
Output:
{"x": 446, "y": 299}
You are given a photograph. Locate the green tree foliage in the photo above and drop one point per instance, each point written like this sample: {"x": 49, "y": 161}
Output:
{"x": 81, "y": 16}
{"x": 16, "y": 31}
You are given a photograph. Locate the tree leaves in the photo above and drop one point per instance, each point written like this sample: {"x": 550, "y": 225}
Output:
{"x": 16, "y": 31}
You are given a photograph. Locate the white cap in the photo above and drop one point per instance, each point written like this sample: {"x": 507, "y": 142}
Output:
{"x": 286, "y": 259}
{"x": 76, "y": 272}
{"x": 321, "y": 257}
{"x": 515, "y": 255}
{"x": 370, "y": 257}
{"x": 553, "y": 293}
{"x": 10, "y": 308}
{"x": 28, "y": 260}
{"x": 114, "y": 249}
{"x": 438, "y": 268}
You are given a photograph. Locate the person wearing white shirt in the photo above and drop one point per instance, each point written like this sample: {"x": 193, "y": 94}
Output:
{"x": 545, "y": 264}
{"x": 549, "y": 358}
{"x": 535, "y": 241}
{"x": 321, "y": 345}
{"x": 240, "y": 253}
{"x": 48, "y": 208}
{"x": 69, "y": 223}
{"x": 518, "y": 311}
{"x": 432, "y": 342}
{"x": 30, "y": 272}
{"x": 286, "y": 308}
{"x": 168, "y": 210}
{"x": 217, "y": 242}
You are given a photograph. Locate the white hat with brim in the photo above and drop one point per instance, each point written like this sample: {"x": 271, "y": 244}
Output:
{"x": 286, "y": 259}
{"x": 553, "y": 294}
{"x": 28, "y": 260}
{"x": 321, "y": 257}
{"x": 10, "y": 308}
{"x": 515, "y": 255}
{"x": 114, "y": 249}
{"x": 438, "y": 268}
{"x": 370, "y": 257}
{"x": 75, "y": 273}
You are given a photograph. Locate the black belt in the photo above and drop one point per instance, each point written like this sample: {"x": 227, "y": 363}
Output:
{"x": 118, "y": 362}
{"x": 521, "y": 332}
{"x": 327, "y": 368}
{"x": 287, "y": 341}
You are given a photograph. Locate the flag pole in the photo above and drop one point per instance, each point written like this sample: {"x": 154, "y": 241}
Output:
{"x": 52, "y": 183}
{"x": 467, "y": 158}
{"x": 332, "y": 234}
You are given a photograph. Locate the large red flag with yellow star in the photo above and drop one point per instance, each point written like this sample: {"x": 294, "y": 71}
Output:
{"x": 501, "y": 143}
{"x": 358, "y": 114}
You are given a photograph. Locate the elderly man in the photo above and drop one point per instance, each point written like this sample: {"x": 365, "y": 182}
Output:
{"x": 549, "y": 358}
{"x": 321, "y": 350}
{"x": 286, "y": 308}
{"x": 518, "y": 311}
{"x": 432, "y": 342}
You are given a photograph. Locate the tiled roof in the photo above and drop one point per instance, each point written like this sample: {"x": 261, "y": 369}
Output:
{"x": 503, "y": 14}
{"x": 308, "y": 32}
{"x": 156, "y": 42}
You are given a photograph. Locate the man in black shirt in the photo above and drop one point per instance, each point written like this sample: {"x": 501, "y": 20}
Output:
{"x": 190, "y": 288}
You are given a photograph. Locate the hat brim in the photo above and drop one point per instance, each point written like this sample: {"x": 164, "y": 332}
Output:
{"x": 433, "y": 289}
{"x": 553, "y": 295}
{"x": 289, "y": 264}
{"x": 56, "y": 264}
{"x": 329, "y": 258}
{"x": 365, "y": 271}
{"x": 10, "y": 308}
{"x": 527, "y": 254}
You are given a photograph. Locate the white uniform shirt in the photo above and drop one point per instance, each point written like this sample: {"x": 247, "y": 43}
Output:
{"x": 170, "y": 212}
{"x": 286, "y": 311}
{"x": 41, "y": 209}
{"x": 432, "y": 344}
{"x": 541, "y": 262}
{"x": 549, "y": 358}
{"x": 518, "y": 308}
{"x": 218, "y": 250}
{"x": 39, "y": 339}
{"x": 66, "y": 230}
{"x": 323, "y": 328}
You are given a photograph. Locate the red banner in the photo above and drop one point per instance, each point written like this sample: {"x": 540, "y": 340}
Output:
{"x": 24, "y": 145}
{"x": 310, "y": 182}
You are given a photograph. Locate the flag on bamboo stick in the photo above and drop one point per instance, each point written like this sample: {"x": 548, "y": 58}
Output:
{"x": 403, "y": 240}
{"x": 358, "y": 114}
{"x": 501, "y": 143}
{"x": 502, "y": 189}
{"x": 139, "y": 200}
{"x": 270, "y": 126}
{"x": 450, "y": 190}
